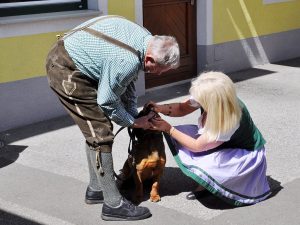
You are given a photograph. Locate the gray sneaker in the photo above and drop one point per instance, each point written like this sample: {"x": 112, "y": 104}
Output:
{"x": 125, "y": 211}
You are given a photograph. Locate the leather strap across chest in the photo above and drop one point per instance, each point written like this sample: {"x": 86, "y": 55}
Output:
{"x": 103, "y": 36}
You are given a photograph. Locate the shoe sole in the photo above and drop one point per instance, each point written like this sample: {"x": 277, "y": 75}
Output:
{"x": 92, "y": 201}
{"x": 121, "y": 218}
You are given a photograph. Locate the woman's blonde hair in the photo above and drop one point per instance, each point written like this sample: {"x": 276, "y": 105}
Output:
{"x": 216, "y": 94}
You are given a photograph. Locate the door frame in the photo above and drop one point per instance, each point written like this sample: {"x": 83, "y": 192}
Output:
{"x": 204, "y": 29}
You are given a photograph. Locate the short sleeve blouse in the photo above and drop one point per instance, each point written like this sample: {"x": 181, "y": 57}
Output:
{"x": 221, "y": 136}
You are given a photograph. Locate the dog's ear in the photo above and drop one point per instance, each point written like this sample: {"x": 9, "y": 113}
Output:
{"x": 141, "y": 113}
{"x": 146, "y": 110}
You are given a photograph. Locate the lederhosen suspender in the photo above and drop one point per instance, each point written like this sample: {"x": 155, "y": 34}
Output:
{"x": 104, "y": 36}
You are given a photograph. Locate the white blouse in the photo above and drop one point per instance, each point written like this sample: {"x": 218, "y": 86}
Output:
{"x": 221, "y": 136}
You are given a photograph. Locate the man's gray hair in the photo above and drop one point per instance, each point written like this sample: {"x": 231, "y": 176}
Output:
{"x": 165, "y": 51}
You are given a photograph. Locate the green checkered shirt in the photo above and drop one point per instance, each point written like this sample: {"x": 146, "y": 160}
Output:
{"x": 115, "y": 68}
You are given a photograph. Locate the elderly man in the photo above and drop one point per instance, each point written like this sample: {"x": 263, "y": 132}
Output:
{"x": 92, "y": 69}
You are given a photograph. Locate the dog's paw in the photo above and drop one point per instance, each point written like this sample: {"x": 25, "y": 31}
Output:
{"x": 155, "y": 198}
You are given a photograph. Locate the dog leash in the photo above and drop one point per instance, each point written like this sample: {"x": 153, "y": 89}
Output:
{"x": 132, "y": 140}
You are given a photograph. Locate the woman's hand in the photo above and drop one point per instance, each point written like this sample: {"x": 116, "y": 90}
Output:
{"x": 161, "y": 125}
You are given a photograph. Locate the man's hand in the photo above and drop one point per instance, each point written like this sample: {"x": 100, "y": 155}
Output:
{"x": 144, "y": 122}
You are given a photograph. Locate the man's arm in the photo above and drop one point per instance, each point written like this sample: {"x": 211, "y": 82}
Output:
{"x": 129, "y": 100}
{"x": 117, "y": 76}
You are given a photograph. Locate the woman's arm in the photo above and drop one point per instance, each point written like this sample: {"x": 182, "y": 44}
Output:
{"x": 195, "y": 145}
{"x": 200, "y": 144}
{"x": 174, "y": 109}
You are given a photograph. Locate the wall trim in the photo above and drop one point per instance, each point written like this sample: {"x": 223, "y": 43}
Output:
{"x": 139, "y": 12}
{"x": 103, "y": 6}
{"x": 14, "y": 26}
{"x": 204, "y": 22}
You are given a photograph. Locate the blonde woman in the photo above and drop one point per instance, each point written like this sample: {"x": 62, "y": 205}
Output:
{"x": 224, "y": 153}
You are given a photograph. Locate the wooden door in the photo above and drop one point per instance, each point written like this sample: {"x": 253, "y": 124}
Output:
{"x": 176, "y": 18}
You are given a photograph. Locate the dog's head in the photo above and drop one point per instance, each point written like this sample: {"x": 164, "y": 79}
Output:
{"x": 146, "y": 110}
{"x": 140, "y": 133}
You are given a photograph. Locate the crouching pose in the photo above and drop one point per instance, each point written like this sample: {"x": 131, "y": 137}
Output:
{"x": 224, "y": 153}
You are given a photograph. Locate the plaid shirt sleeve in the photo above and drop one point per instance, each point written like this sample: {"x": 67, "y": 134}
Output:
{"x": 115, "y": 87}
{"x": 129, "y": 99}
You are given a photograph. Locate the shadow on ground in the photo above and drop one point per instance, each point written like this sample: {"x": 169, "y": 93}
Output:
{"x": 213, "y": 202}
{"x": 165, "y": 94}
{"x": 31, "y": 130}
{"x": 291, "y": 62}
{"x": 175, "y": 182}
{"x": 8, "y": 218}
{"x": 10, "y": 153}
{"x": 248, "y": 74}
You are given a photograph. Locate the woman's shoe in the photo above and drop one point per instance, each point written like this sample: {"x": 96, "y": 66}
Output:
{"x": 197, "y": 194}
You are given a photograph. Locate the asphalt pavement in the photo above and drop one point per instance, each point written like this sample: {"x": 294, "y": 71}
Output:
{"x": 44, "y": 173}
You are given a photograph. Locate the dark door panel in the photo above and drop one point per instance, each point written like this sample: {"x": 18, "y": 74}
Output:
{"x": 176, "y": 18}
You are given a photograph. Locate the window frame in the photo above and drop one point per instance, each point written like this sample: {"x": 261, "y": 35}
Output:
{"x": 35, "y": 7}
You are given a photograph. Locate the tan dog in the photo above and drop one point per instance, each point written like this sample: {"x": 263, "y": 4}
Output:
{"x": 147, "y": 160}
